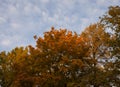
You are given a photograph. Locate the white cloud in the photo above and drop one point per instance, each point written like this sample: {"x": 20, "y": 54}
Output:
{"x": 6, "y": 42}
{"x": 2, "y": 20}
{"x": 44, "y": 1}
{"x": 84, "y": 23}
{"x": 45, "y": 16}
{"x": 116, "y": 1}
{"x": 12, "y": 10}
{"x": 73, "y": 19}
{"x": 28, "y": 8}
{"x": 101, "y": 2}
{"x": 68, "y": 2}
{"x": 10, "y": 42}
{"x": 84, "y": 1}
{"x": 104, "y": 3}
{"x": 37, "y": 9}
{"x": 15, "y": 25}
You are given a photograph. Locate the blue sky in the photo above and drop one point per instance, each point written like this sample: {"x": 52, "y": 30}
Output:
{"x": 20, "y": 20}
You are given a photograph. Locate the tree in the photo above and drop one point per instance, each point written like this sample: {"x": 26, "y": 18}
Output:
{"x": 56, "y": 61}
{"x": 14, "y": 68}
{"x": 111, "y": 21}
{"x": 96, "y": 39}
{"x": 2, "y": 61}
{"x": 60, "y": 59}
{"x": 72, "y": 59}
{"x": 60, "y": 52}
{"x": 64, "y": 58}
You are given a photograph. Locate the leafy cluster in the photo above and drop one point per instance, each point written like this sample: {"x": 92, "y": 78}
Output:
{"x": 65, "y": 59}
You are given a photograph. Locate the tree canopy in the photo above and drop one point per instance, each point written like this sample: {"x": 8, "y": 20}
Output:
{"x": 64, "y": 58}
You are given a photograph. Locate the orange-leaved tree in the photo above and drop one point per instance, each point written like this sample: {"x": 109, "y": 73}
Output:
{"x": 59, "y": 57}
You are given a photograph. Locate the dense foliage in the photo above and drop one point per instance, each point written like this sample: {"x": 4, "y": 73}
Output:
{"x": 65, "y": 59}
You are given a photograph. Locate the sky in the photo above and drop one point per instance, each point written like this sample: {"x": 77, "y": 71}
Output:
{"x": 20, "y": 20}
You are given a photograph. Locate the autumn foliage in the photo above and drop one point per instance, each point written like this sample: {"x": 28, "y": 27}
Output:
{"x": 64, "y": 58}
